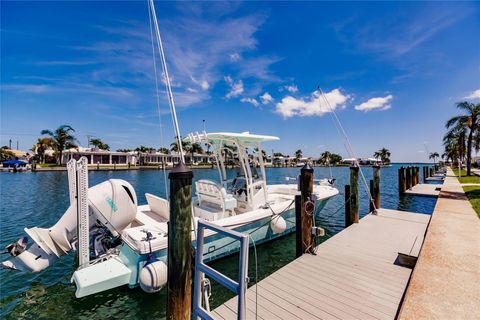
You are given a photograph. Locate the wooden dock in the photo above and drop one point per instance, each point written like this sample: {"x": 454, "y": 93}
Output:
{"x": 424, "y": 189}
{"x": 355, "y": 274}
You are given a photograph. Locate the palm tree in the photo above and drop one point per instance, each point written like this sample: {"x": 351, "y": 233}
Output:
{"x": 41, "y": 146}
{"x": 384, "y": 155}
{"x": 185, "y": 146}
{"x": 434, "y": 156}
{"x": 62, "y": 139}
{"x": 164, "y": 150}
{"x": 99, "y": 144}
{"x": 325, "y": 158}
{"x": 142, "y": 149}
{"x": 298, "y": 154}
{"x": 194, "y": 148}
{"x": 470, "y": 121}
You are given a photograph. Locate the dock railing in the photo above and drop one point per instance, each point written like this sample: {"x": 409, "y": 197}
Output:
{"x": 201, "y": 269}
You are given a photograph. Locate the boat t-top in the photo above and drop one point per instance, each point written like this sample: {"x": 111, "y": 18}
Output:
{"x": 128, "y": 242}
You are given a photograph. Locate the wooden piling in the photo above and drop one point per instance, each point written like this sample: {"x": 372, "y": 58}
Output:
{"x": 348, "y": 217}
{"x": 179, "y": 291}
{"x": 298, "y": 226}
{"x": 401, "y": 180}
{"x": 414, "y": 176}
{"x": 354, "y": 193}
{"x": 372, "y": 194}
{"x": 376, "y": 180}
{"x": 408, "y": 178}
{"x": 418, "y": 175}
{"x": 306, "y": 189}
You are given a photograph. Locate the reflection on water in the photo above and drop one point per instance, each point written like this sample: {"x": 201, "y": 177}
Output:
{"x": 39, "y": 199}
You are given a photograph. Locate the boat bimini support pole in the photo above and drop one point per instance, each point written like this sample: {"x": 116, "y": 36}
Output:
{"x": 78, "y": 185}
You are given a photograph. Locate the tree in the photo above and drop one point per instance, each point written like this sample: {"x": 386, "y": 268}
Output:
{"x": 194, "y": 148}
{"x": 185, "y": 145}
{"x": 164, "y": 150}
{"x": 325, "y": 158}
{"x": 62, "y": 139}
{"x": 298, "y": 154}
{"x": 6, "y": 154}
{"x": 142, "y": 149}
{"x": 384, "y": 155}
{"x": 469, "y": 122}
{"x": 434, "y": 156}
{"x": 41, "y": 146}
{"x": 335, "y": 158}
{"x": 124, "y": 150}
{"x": 278, "y": 154}
{"x": 99, "y": 144}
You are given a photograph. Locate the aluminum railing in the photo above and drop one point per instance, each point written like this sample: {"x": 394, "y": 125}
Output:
{"x": 201, "y": 269}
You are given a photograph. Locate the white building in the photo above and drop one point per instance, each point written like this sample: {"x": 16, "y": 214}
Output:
{"x": 100, "y": 157}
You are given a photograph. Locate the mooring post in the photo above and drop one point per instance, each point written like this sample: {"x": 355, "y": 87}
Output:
{"x": 372, "y": 195}
{"x": 418, "y": 175}
{"x": 348, "y": 197}
{"x": 307, "y": 208}
{"x": 414, "y": 176}
{"x": 407, "y": 178}
{"x": 179, "y": 292}
{"x": 298, "y": 226}
{"x": 354, "y": 193}
{"x": 376, "y": 179}
{"x": 401, "y": 180}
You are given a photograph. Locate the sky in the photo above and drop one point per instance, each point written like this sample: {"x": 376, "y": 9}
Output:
{"x": 392, "y": 72}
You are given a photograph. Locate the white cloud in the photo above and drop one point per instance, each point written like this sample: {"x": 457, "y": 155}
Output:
{"x": 236, "y": 87}
{"x": 202, "y": 83}
{"x": 291, "y": 88}
{"x": 473, "y": 95}
{"x": 314, "y": 105}
{"x": 234, "y": 57}
{"x": 250, "y": 100}
{"x": 266, "y": 98}
{"x": 377, "y": 103}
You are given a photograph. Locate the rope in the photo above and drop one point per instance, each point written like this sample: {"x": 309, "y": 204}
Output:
{"x": 348, "y": 146}
{"x": 158, "y": 99}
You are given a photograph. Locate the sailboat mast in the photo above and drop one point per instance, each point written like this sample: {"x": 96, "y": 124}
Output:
{"x": 167, "y": 82}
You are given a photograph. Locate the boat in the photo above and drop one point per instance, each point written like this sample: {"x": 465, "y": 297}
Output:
{"x": 125, "y": 237}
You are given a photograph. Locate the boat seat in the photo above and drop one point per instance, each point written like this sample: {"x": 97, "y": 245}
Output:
{"x": 158, "y": 205}
{"x": 210, "y": 192}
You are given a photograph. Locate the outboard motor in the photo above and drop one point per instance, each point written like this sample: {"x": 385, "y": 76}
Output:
{"x": 112, "y": 208}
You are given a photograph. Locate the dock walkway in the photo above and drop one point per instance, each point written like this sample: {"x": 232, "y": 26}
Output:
{"x": 446, "y": 281}
{"x": 355, "y": 274}
{"x": 424, "y": 189}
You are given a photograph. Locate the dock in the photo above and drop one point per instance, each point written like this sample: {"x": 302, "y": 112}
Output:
{"x": 355, "y": 274}
{"x": 424, "y": 189}
{"x": 446, "y": 278}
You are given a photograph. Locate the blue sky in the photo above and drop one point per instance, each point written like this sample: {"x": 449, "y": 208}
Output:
{"x": 392, "y": 71}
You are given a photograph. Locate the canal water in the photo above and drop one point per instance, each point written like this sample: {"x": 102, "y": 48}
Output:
{"x": 40, "y": 199}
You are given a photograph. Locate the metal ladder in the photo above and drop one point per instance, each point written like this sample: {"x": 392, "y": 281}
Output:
{"x": 202, "y": 270}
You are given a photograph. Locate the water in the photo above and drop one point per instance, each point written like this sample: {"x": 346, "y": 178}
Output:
{"x": 39, "y": 199}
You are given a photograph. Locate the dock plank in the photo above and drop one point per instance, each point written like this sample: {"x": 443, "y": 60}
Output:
{"x": 353, "y": 276}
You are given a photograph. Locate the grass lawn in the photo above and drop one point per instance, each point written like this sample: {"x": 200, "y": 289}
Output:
{"x": 473, "y": 194}
{"x": 466, "y": 179}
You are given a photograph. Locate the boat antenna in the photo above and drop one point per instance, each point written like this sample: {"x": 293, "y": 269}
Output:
{"x": 348, "y": 145}
{"x": 167, "y": 82}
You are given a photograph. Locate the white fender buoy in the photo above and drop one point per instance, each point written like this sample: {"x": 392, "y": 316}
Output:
{"x": 153, "y": 277}
{"x": 278, "y": 225}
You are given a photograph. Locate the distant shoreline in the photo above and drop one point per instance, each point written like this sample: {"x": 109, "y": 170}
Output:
{"x": 159, "y": 167}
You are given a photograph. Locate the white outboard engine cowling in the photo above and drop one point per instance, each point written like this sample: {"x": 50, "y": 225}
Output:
{"x": 112, "y": 204}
